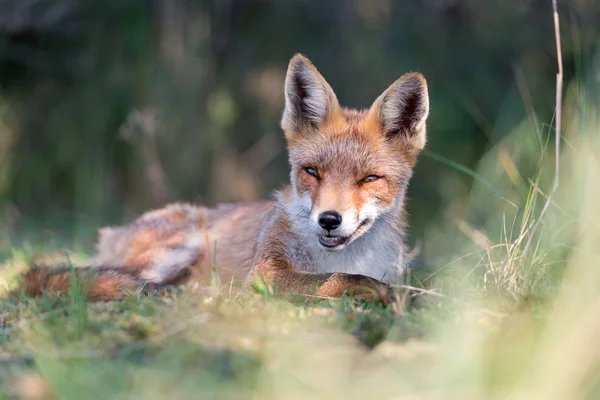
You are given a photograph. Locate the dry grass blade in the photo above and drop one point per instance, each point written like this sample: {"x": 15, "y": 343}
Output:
{"x": 557, "y": 127}
{"x": 435, "y": 293}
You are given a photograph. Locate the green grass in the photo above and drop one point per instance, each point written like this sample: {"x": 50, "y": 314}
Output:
{"x": 198, "y": 343}
{"x": 189, "y": 345}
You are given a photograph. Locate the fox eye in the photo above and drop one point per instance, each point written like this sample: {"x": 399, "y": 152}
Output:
{"x": 370, "y": 178}
{"x": 312, "y": 171}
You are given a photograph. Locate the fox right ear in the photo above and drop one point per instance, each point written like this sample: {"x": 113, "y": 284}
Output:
{"x": 308, "y": 97}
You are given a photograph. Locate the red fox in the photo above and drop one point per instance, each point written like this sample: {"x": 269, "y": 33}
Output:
{"x": 338, "y": 227}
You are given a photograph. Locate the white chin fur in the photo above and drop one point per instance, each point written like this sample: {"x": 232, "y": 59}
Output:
{"x": 333, "y": 249}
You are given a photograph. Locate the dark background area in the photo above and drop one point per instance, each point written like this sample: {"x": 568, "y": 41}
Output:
{"x": 110, "y": 108}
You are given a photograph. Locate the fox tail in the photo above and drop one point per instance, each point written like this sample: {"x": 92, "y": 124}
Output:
{"x": 96, "y": 283}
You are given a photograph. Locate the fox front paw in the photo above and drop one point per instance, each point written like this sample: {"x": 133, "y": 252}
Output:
{"x": 367, "y": 288}
{"x": 380, "y": 292}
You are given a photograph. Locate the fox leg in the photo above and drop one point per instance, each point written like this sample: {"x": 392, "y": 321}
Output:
{"x": 164, "y": 265}
{"x": 159, "y": 246}
{"x": 289, "y": 281}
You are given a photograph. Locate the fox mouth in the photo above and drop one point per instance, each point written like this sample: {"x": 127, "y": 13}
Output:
{"x": 331, "y": 242}
{"x": 336, "y": 243}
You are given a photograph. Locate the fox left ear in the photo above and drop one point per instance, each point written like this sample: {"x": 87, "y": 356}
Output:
{"x": 403, "y": 109}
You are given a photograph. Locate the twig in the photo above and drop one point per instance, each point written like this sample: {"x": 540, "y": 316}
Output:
{"x": 557, "y": 126}
{"x": 434, "y": 293}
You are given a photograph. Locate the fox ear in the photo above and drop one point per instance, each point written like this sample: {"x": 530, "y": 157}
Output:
{"x": 403, "y": 108}
{"x": 308, "y": 97}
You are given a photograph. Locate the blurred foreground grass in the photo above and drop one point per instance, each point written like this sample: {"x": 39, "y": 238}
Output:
{"x": 493, "y": 319}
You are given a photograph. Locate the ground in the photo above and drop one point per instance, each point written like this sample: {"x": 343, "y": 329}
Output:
{"x": 203, "y": 342}
{"x": 208, "y": 343}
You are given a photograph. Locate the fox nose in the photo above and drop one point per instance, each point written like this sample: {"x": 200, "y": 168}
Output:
{"x": 330, "y": 220}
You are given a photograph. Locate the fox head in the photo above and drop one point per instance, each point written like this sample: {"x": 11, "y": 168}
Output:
{"x": 349, "y": 168}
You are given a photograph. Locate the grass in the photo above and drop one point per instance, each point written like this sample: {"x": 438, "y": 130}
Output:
{"x": 188, "y": 345}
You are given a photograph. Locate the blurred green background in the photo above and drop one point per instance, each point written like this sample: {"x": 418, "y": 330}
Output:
{"x": 110, "y": 108}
